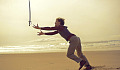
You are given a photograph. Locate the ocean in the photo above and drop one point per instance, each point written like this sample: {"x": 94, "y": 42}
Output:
{"x": 57, "y": 45}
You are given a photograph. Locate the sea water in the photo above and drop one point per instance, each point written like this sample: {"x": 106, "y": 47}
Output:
{"x": 57, "y": 45}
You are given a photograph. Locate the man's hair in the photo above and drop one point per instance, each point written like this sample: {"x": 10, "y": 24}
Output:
{"x": 61, "y": 20}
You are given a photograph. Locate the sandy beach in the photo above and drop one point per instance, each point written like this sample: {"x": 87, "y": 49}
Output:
{"x": 100, "y": 60}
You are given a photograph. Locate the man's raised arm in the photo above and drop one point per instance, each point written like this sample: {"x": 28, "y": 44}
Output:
{"x": 49, "y": 28}
{"x": 45, "y": 28}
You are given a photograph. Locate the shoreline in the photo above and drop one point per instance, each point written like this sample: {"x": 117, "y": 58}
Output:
{"x": 63, "y": 51}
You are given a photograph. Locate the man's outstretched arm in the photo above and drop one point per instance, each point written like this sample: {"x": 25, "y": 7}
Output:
{"x": 45, "y": 28}
{"x": 49, "y": 28}
{"x": 49, "y": 33}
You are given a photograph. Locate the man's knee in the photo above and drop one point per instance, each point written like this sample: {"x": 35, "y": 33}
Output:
{"x": 81, "y": 55}
{"x": 69, "y": 55}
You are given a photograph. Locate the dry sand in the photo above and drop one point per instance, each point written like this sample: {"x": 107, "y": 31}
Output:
{"x": 100, "y": 60}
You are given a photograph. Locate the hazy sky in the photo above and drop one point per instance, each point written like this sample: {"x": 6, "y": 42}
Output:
{"x": 92, "y": 20}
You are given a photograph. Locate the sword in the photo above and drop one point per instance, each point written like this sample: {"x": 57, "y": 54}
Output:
{"x": 30, "y": 22}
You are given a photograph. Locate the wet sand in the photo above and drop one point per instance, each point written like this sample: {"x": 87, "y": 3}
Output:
{"x": 100, "y": 60}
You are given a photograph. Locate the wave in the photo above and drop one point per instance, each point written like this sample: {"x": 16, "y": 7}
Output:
{"x": 103, "y": 41}
{"x": 49, "y": 39}
{"x": 58, "y": 44}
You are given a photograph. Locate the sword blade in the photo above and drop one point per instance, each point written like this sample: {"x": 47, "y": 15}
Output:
{"x": 29, "y": 13}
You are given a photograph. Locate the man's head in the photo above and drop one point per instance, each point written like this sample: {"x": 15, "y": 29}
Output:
{"x": 59, "y": 21}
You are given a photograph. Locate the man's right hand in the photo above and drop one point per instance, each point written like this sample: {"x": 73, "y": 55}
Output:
{"x": 36, "y": 27}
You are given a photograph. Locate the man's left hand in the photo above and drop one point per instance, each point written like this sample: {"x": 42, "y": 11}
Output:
{"x": 40, "y": 33}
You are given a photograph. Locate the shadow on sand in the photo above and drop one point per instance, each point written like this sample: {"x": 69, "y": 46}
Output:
{"x": 104, "y": 68}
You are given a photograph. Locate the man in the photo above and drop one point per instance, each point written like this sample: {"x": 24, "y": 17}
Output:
{"x": 75, "y": 43}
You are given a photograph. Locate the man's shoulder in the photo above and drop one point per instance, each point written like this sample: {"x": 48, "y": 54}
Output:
{"x": 61, "y": 26}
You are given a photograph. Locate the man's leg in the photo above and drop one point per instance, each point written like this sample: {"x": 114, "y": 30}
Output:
{"x": 80, "y": 54}
{"x": 73, "y": 44}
